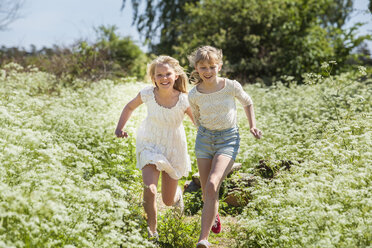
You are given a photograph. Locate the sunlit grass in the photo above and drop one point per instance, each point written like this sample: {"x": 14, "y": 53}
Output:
{"x": 66, "y": 181}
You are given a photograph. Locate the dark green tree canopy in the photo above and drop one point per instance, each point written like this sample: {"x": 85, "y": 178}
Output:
{"x": 259, "y": 38}
{"x": 158, "y": 22}
{"x": 337, "y": 13}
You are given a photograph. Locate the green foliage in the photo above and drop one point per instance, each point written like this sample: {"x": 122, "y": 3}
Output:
{"x": 109, "y": 56}
{"x": 320, "y": 202}
{"x": 176, "y": 230}
{"x": 159, "y": 16}
{"x": 66, "y": 181}
{"x": 337, "y": 13}
{"x": 193, "y": 202}
{"x": 260, "y": 39}
{"x": 125, "y": 55}
{"x": 267, "y": 39}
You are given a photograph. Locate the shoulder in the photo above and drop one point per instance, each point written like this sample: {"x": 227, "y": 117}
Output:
{"x": 184, "y": 94}
{"x": 146, "y": 92}
{"x": 232, "y": 83}
{"x": 148, "y": 88}
{"x": 183, "y": 98}
{"x": 192, "y": 93}
{"x": 230, "y": 86}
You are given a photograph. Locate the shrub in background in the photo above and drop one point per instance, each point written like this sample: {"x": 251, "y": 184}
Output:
{"x": 109, "y": 56}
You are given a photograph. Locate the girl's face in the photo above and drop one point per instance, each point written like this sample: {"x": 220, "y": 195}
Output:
{"x": 165, "y": 76}
{"x": 208, "y": 70}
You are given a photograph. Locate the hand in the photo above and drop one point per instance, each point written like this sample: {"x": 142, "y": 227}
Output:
{"x": 121, "y": 134}
{"x": 256, "y": 132}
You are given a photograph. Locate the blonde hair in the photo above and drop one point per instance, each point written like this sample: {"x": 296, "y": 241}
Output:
{"x": 203, "y": 53}
{"x": 181, "y": 81}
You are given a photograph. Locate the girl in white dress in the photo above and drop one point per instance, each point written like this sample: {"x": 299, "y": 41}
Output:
{"x": 161, "y": 141}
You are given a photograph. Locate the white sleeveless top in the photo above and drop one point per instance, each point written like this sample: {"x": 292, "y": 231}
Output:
{"x": 161, "y": 138}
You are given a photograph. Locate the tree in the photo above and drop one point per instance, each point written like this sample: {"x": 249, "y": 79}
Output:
{"x": 9, "y": 12}
{"x": 121, "y": 51}
{"x": 337, "y": 13}
{"x": 267, "y": 39}
{"x": 260, "y": 38}
{"x": 159, "y": 21}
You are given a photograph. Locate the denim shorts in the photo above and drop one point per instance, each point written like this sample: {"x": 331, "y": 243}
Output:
{"x": 209, "y": 143}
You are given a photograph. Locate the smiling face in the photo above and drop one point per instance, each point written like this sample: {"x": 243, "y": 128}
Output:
{"x": 165, "y": 76}
{"x": 208, "y": 70}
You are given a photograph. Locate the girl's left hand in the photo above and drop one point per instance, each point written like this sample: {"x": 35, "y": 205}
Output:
{"x": 257, "y": 133}
{"x": 121, "y": 134}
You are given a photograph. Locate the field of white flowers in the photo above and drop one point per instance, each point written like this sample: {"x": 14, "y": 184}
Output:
{"x": 326, "y": 200}
{"x": 66, "y": 181}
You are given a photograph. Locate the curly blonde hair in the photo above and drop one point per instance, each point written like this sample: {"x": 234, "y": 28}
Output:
{"x": 181, "y": 81}
{"x": 203, "y": 53}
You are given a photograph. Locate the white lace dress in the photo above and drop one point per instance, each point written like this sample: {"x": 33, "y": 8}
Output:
{"x": 161, "y": 138}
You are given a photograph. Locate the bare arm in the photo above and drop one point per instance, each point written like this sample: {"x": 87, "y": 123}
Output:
{"x": 189, "y": 113}
{"x": 194, "y": 109}
{"x": 125, "y": 114}
{"x": 249, "y": 112}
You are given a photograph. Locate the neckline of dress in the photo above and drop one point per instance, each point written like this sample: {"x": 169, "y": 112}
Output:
{"x": 153, "y": 95}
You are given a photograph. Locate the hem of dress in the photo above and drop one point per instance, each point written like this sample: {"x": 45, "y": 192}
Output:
{"x": 158, "y": 164}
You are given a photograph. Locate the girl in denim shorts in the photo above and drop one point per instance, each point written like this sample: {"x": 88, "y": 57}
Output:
{"x": 212, "y": 102}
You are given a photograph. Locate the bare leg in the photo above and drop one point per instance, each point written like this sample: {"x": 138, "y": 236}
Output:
{"x": 150, "y": 177}
{"x": 204, "y": 166}
{"x": 168, "y": 189}
{"x": 221, "y": 165}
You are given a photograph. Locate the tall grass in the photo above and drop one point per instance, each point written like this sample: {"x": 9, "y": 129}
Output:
{"x": 66, "y": 181}
{"x": 324, "y": 127}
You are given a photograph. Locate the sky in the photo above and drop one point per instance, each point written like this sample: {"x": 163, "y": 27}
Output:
{"x": 62, "y": 22}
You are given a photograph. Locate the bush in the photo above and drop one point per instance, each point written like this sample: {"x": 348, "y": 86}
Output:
{"x": 176, "y": 230}
{"x": 110, "y": 56}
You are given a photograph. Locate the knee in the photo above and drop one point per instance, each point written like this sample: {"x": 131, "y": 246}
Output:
{"x": 211, "y": 190}
{"x": 150, "y": 190}
{"x": 168, "y": 201}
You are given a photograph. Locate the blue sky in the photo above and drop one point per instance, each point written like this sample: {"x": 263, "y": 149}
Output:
{"x": 61, "y": 22}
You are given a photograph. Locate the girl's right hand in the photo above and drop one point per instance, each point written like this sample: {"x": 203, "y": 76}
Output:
{"x": 121, "y": 134}
{"x": 257, "y": 133}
